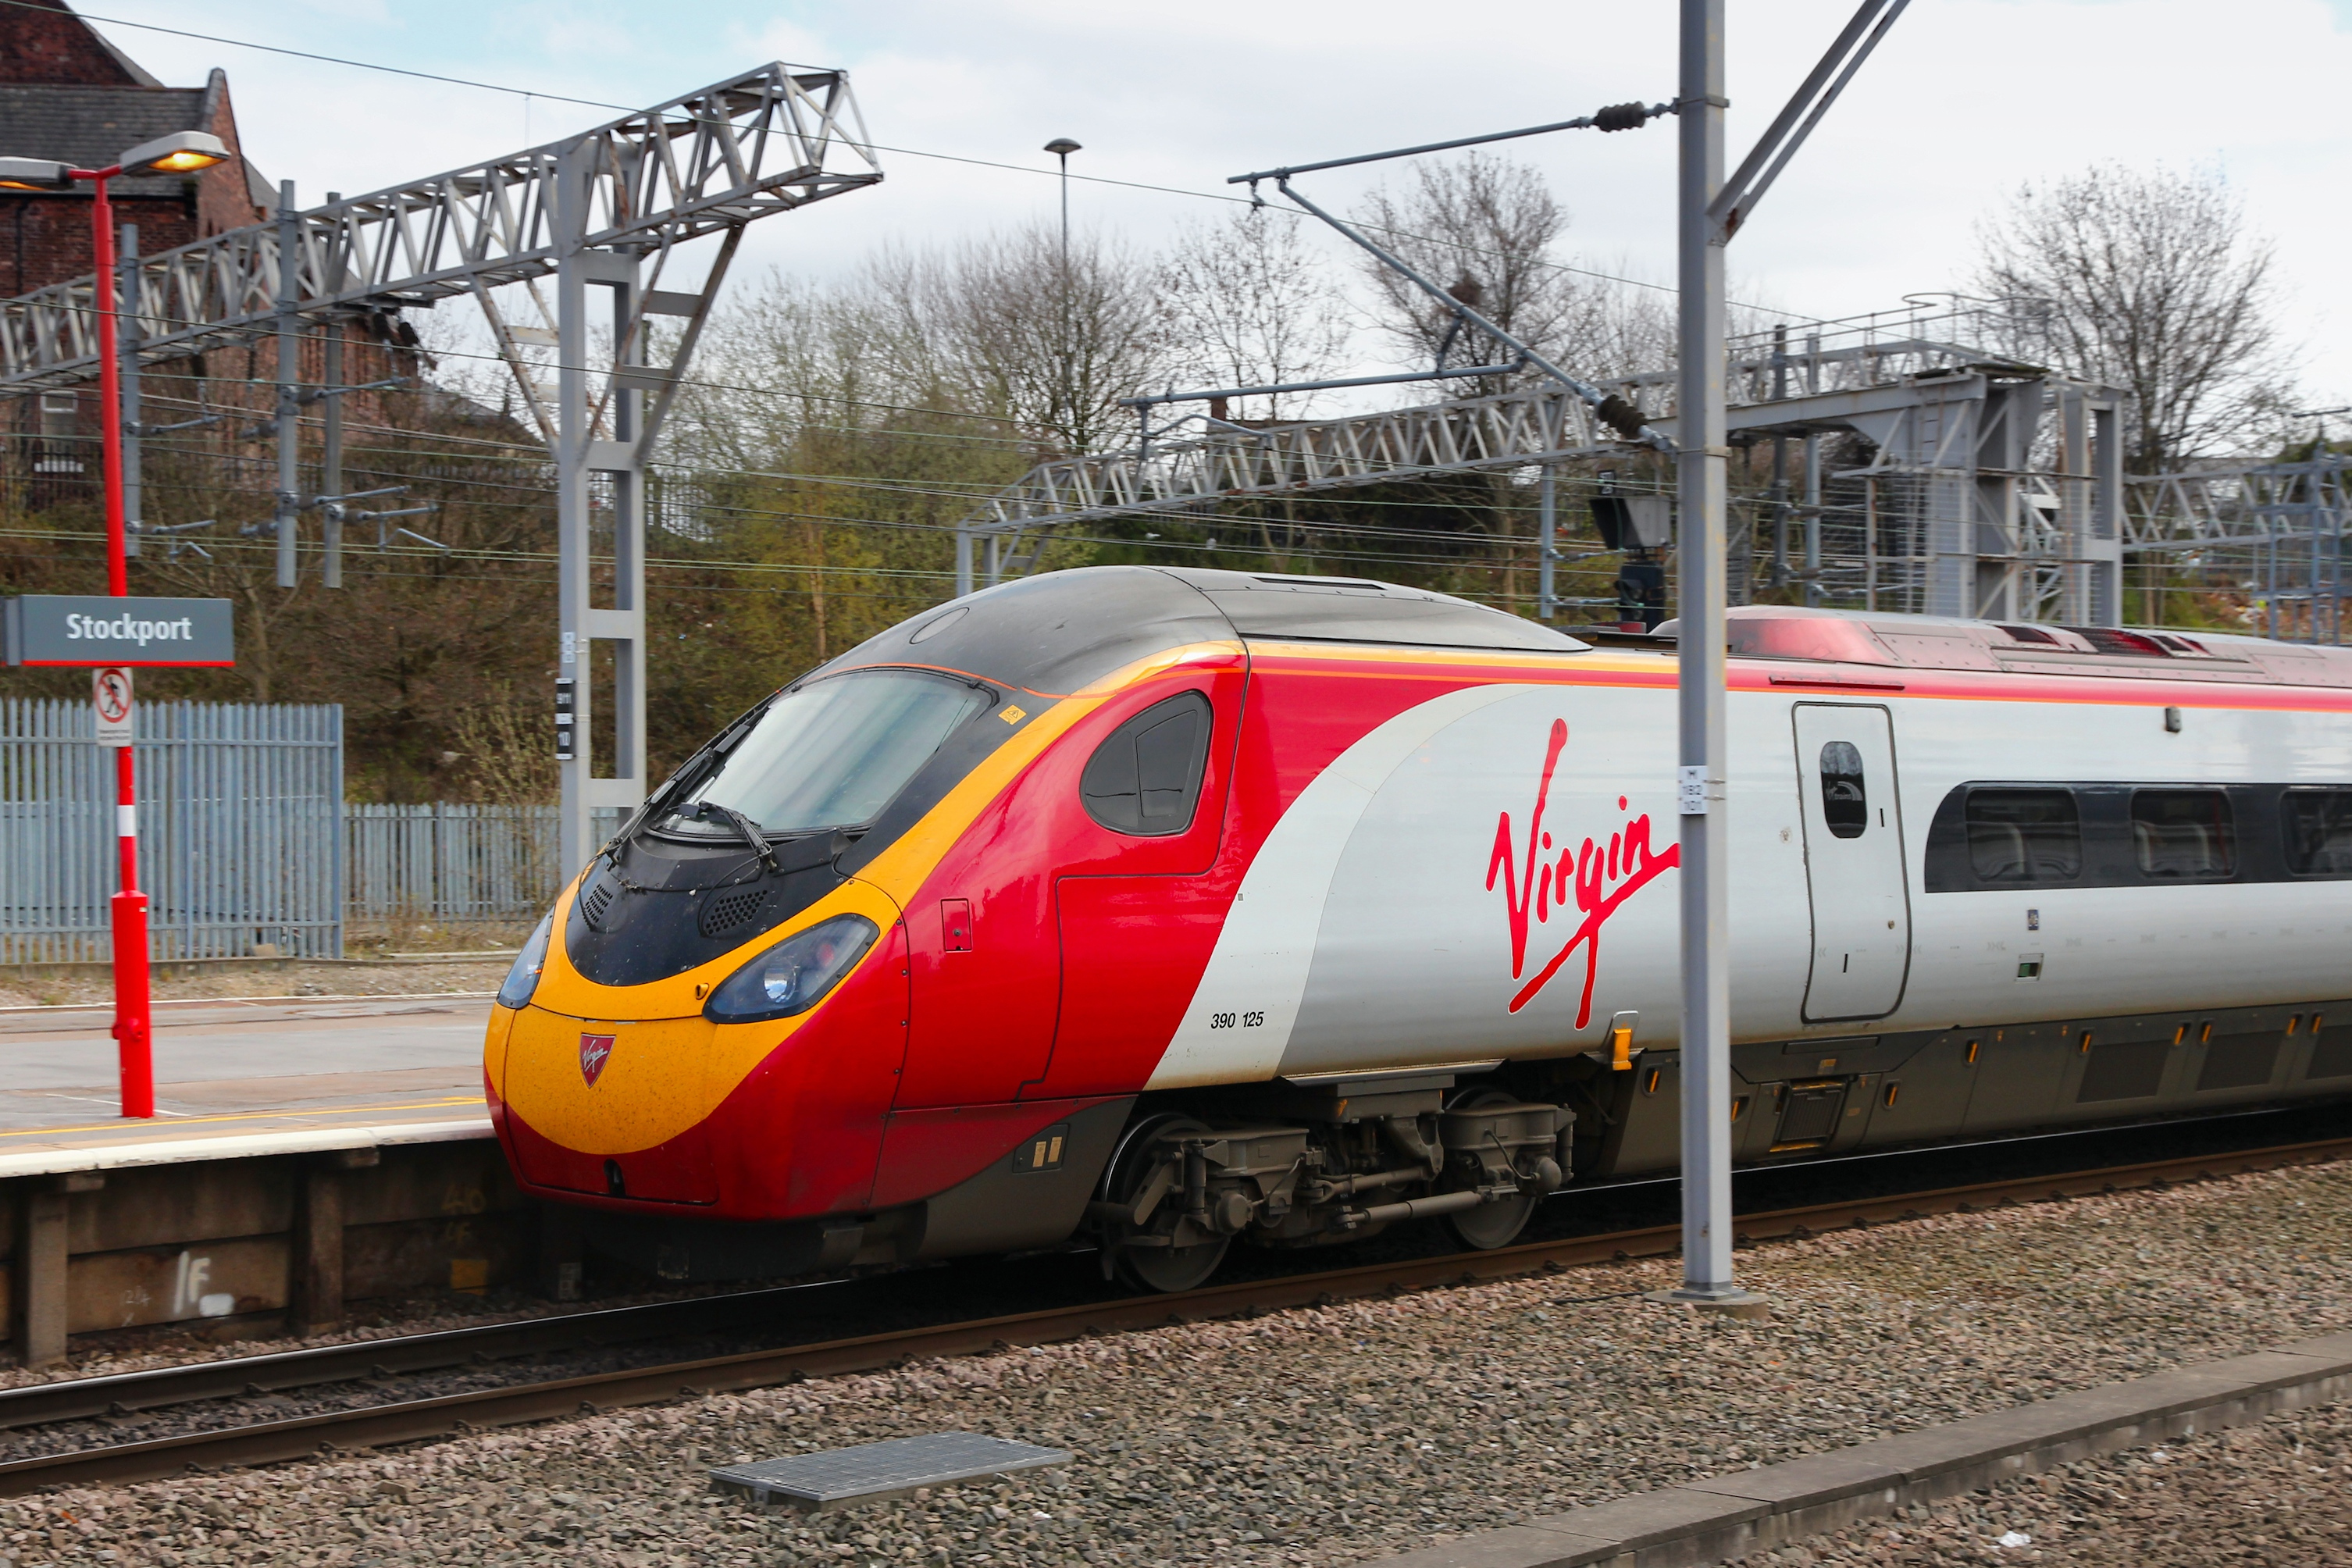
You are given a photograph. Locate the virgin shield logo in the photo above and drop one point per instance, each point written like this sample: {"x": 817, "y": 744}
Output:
{"x": 594, "y": 1050}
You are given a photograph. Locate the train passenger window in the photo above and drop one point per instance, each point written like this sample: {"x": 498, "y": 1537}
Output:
{"x": 2183, "y": 835}
{"x": 1145, "y": 778}
{"x": 2024, "y": 835}
{"x": 1845, "y": 806}
{"x": 2317, "y": 826}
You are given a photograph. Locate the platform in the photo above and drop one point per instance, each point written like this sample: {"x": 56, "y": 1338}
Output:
{"x": 237, "y": 1078}
{"x": 303, "y": 1151}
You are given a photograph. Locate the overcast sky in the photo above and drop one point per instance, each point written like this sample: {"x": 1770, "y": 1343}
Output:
{"x": 1967, "y": 100}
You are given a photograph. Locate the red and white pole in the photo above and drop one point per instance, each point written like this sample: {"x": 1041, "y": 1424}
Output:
{"x": 133, "y": 1022}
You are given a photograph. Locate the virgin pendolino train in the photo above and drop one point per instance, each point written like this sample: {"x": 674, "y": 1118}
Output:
{"x": 1162, "y": 909}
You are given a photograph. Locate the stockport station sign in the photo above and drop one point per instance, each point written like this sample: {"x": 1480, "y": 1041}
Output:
{"x": 76, "y": 631}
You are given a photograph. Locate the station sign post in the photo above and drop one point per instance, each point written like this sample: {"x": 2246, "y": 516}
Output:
{"x": 111, "y": 635}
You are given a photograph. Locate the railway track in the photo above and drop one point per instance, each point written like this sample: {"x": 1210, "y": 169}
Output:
{"x": 413, "y": 1420}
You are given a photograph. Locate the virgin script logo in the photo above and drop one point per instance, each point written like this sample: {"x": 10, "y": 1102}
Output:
{"x": 593, "y": 1051}
{"x": 1540, "y": 887}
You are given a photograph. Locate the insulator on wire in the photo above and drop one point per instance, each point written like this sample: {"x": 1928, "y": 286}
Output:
{"x": 1621, "y": 117}
{"x": 1622, "y": 416}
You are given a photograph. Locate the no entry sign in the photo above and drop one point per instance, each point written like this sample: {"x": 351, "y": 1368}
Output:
{"x": 85, "y": 631}
{"x": 110, "y": 693}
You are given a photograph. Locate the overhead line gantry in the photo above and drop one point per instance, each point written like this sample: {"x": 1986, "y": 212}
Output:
{"x": 609, "y": 208}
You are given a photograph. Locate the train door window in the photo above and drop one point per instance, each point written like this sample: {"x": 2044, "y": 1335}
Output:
{"x": 2183, "y": 835}
{"x": 2024, "y": 835}
{"x": 1845, "y": 801}
{"x": 1145, "y": 778}
{"x": 2317, "y": 824}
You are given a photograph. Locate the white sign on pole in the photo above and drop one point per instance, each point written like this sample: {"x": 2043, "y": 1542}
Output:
{"x": 110, "y": 692}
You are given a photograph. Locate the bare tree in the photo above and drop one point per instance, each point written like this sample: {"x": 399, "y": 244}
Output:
{"x": 1051, "y": 344}
{"x": 1486, "y": 228}
{"x": 1249, "y": 304}
{"x": 2150, "y": 281}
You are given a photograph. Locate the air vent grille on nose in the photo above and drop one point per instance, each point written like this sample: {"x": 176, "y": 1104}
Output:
{"x": 596, "y": 900}
{"x": 735, "y": 908}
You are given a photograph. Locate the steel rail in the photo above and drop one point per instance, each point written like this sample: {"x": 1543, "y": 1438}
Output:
{"x": 413, "y": 1420}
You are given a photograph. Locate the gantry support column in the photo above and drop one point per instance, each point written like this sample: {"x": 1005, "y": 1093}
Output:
{"x": 579, "y": 458}
{"x": 2091, "y": 434}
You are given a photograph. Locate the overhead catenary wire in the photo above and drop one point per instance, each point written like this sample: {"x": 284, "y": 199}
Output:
{"x": 875, "y": 146}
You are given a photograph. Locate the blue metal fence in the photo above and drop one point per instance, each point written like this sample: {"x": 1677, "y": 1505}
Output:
{"x": 454, "y": 863}
{"x": 240, "y": 829}
{"x": 244, "y": 837}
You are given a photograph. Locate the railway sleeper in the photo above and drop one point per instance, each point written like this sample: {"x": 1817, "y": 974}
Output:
{"x": 1185, "y": 1184}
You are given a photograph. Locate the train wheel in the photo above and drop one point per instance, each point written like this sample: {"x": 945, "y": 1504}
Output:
{"x": 1147, "y": 1267}
{"x": 1490, "y": 1225}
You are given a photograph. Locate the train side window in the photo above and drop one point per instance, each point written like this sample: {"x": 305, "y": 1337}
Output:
{"x": 2316, "y": 827}
{"x": 2024, "y": 835}
{"x": 1145, "y": 778}
{"x": 2183, "y": 835}
{"x": 1845, "y": 806}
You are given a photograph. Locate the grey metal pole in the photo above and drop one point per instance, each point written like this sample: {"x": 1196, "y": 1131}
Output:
{"x": 331, "y": 421}
{"x": 330, "y": 452}
{"x": 1703, "y": 464}
{"x": 964, "y": 560}
{"x": 1813, "y": 595}
{"x": 289, "y": 406}
{"x": 1812, "y": 520}
{"x": 126, "y": 337}
{"x": 1546, "y": 526}
{"x": 1780, "y": 461}
{"x": 575, "y": 671}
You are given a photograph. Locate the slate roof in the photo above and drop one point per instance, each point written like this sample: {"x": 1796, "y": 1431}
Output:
{"x": 91, "y": 126}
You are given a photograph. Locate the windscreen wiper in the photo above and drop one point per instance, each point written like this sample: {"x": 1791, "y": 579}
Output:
{"x": 750, "y": 830}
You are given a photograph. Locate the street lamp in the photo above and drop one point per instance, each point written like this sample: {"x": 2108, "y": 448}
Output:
{"x": 1062, "y": 147}
{"x": 182, "y": 153}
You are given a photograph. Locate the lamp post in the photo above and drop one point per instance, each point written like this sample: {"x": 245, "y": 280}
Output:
{"x": 1062, "y": 147}
{"x": 183, "y": 152}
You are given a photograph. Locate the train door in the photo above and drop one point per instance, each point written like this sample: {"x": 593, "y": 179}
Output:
{"x": 1854, "y": 861}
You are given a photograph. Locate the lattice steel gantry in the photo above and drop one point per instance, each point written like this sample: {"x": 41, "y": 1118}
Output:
{"x": 1993, "y": 488}
{"x": 608, "y": 208}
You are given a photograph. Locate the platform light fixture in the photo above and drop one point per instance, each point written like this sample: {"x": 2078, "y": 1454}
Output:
{"x": 180, "y": 152}
{"x": 35, "y": 174}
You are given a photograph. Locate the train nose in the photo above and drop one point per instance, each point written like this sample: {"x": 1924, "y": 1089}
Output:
{"x": 611, "y": 1108}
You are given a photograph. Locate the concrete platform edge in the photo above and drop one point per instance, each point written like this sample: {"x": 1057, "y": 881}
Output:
{"x": 233, "y": 1146}
{"x": 1730, "y": 1516}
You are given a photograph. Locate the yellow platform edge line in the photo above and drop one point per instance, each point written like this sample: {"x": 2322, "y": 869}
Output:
{"x": 161, "y": 1122}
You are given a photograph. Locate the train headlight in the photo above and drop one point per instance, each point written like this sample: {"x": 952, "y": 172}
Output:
{"x": 524, "y": 978}
{"x": 791, "y": 977}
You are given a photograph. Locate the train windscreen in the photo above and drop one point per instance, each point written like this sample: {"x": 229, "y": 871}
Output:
{"x": 831, "y": 754}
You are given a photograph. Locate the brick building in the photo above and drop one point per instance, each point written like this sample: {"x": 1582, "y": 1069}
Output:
{"x": 66, "y": 93}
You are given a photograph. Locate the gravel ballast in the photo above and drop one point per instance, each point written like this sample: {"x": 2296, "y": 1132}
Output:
{"x": 1335, "y": 1434}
